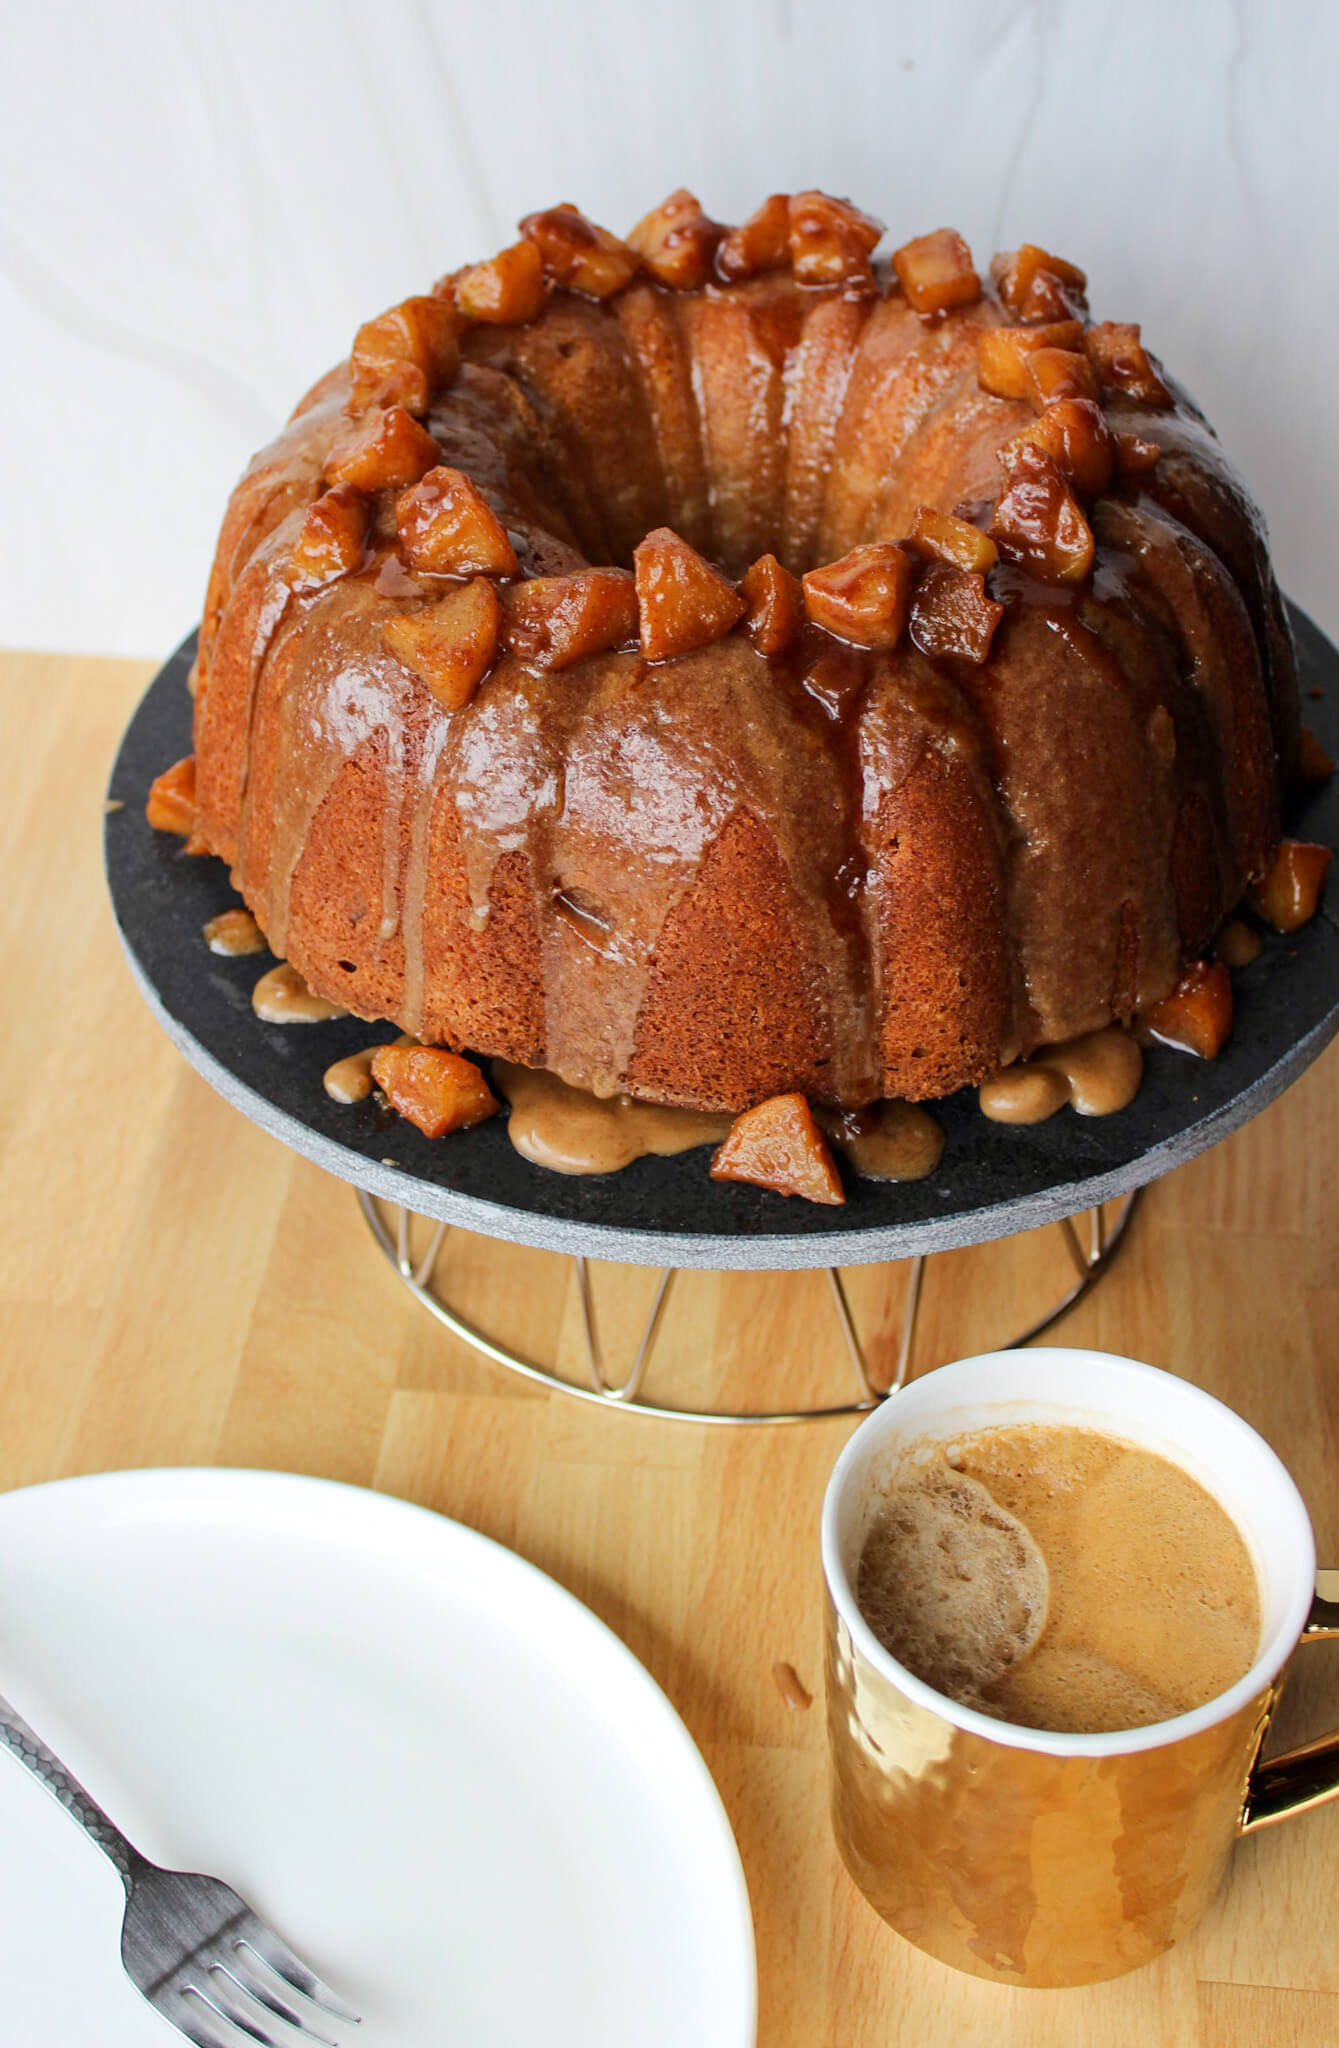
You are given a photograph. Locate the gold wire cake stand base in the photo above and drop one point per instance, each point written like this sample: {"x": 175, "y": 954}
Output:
{"x": 1091, "y": 1240}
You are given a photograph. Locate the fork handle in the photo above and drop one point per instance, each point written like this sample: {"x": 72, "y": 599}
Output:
{"x": 45, "y": 1765}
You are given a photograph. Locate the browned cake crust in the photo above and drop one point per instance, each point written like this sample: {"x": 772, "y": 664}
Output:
{"x": 849, "y": 870}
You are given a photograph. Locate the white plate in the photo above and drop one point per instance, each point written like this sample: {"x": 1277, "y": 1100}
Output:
{"x": 445, "y": 1783}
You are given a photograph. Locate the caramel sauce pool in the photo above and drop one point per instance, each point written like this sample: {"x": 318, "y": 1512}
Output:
{"x": 234, "y": 933}
{"x": 283, "y": 997}
{"x": 1097, "y": 1074}
{"x": 570, "y": 1131}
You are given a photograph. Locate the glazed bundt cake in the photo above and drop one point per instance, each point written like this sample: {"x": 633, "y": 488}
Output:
{"x": 719, "y": 663}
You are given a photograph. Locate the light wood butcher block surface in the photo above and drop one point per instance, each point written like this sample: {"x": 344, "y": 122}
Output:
{"x": 176, "y": 1288}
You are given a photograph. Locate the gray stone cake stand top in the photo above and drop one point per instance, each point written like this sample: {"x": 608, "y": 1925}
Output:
{"x": 992, "y": 1182}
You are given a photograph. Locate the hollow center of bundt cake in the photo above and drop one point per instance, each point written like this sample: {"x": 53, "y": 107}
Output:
{"x": 723, "y": 416}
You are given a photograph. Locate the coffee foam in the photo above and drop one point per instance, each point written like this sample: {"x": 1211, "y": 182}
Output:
{"x": 1058, "y": 1577}
{"x": 951, "y": 1583}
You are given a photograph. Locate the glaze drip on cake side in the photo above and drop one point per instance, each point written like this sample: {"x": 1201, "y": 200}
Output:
{"x": 849, "y": 871}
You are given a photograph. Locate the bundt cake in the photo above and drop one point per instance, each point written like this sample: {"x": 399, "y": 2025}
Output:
{"x": 721, "y": 663}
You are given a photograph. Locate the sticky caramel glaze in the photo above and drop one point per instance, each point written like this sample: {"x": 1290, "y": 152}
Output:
{"x": 709, "y": 880}
{"x": 1098, "y": 1074}
{"x": 281, "y": 996}
{"x": 350, "y": 1079}
{"x": 888, "y": 1141}
{"x": 570, "y": 1131}
{"x": 234, "y": 933}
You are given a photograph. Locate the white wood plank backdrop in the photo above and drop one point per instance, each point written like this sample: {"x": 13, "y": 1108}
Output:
{"x": 204, "y": 197}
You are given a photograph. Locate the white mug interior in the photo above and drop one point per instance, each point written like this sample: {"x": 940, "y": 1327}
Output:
{"x": 1093, "y": 1390}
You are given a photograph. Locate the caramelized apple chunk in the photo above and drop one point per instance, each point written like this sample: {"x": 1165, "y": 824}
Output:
{"x": 865, "y": 597}
{"x": 449, "y": 645}
{"x": 1053, "y": 373}
{"x": 448, "y": 528}
{"x": 1123, "y": 363}
{"x": 682, "y": 601}
{"x": 1288, "y": 894}
{"x": 552, "y": 621}
{"x": 951, "y": 613}
{"x": 936, "y": 273}
{"x": 418, "y": 336}
{"x": 1038, "y": 522}
{"x": 1313, "y": 763}
{"x": 1197, "y": 1015}
{"x": 171, "y": 805}
{"x": 398, "y": 384}
{"x": 506, "y": 291}
{"x": 1075, "y": 434}
{"x": 831, "y": 241}
{"x": 332, "y": 537}
{"x": 579, "y": 255}
{"x": 384, "y": 452}
{"x": 775, "y": 606}
{"x": 762, "y": 242}
{"x": 433, "y": 1088}
{"x": 1002, "y": 353}
{"x": 676, "y": 242}
{"x": 1134, "y": 454}
{"x": 1035, "y": 285}
{"x": 778, "y": 1145}
{"x": 945, "y": 538}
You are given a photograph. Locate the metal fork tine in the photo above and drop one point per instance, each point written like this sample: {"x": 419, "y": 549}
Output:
{"x": 266, "y": 1946}
{"x": 280, "y": 2007}
{"x": 232, "y": 2019}
{"x": 201, "y": 2038}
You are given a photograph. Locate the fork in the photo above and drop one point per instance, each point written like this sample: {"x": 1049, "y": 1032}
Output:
{"x": 195, "y": 1950}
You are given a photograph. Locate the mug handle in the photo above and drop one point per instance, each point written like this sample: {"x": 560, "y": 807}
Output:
{"x": 1308, "y": 1776}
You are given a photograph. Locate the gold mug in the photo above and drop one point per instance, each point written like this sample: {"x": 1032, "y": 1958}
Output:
{"x": 1046, "y": 1859}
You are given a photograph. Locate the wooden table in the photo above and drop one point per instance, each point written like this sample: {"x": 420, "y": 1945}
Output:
{"x": 177, "y": 1288}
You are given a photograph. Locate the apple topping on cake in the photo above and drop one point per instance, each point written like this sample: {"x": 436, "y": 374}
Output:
{"x": 552, "y": 621}
{"x": 1075, "y": 434}
{"x": 1053, "y": 373}
{"x": 449, "y": 645}
{"x": 448, "y": 528}
{"x": 384, "y": 452}
{"x": 435, "y": 1089}
{"x": 778, "y": 1145}
{"x": 936, "y": 272}
{"x": 1002, "y": 354}
{"x": 1123, "y": 363}
{"x": 579, "y": 255}
{"x": 506, "y": 291}
{"x": 762, "y": 242}
{"x": 171, "y": 805}
{"x": 1035, "y": 285}
{"x": 831, "y": 241}
{"x": 682, "y": 601}
{"x": 952, "y": 615}
{"x": 677, "y": 242}
{"x": 945, "y": 538}
{"x": 332, "y": 537}
{"x": 775, "y": 603}
{"x": 419, "y": 336}
{"x": 1197, "y": 1015}
{"x": 865, "y": 597}
{"x": 1288, "y": 895}
{"x": 1134, "y": 453}
{"x": 1038, "y": 522}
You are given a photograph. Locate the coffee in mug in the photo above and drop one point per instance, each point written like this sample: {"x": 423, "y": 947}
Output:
{"x": 1069, "y": 1851}
{"x": 1058, "y": 1577}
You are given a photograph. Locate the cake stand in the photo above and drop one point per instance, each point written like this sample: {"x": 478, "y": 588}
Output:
{"x": 993, "y": 1181}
